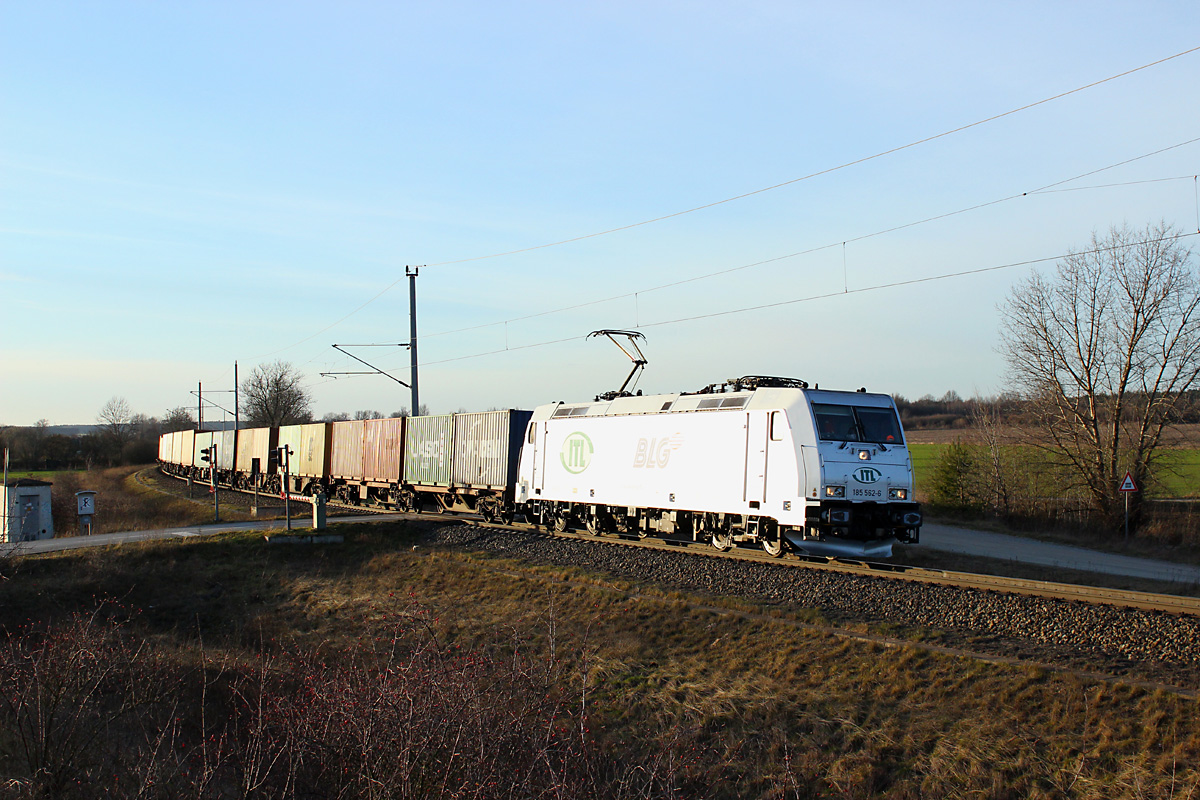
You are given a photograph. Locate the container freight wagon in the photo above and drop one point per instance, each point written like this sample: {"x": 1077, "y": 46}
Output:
{"x": 182, "y": 451}
{"x": 367, "y": 458}
{"x": 226, "y": 442}
{"x": 727, "y": 467}
{"x": 203, "y": 441}
{"x": 255, "y": 460}
{"x": 463, "y": 461}
{"x": 164, "y": 448}
{"x": 309, "y": 457}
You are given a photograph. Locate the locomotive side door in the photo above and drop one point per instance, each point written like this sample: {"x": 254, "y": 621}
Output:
{"x": 539, "y": 457}
{"x": 755, "y": 484}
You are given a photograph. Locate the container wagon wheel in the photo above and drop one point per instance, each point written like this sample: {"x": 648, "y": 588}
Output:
{"x": 486, "y": 510}
{"x": 722, "y": 538}
{"x": 773, "y": 547}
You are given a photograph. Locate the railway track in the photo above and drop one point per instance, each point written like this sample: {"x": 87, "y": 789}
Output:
{"x": 1146, "y": 601}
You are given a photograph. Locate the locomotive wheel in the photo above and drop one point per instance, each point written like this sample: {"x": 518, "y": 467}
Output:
{"x": 773, "y": 547}
{"x": 561, "y": 522}
{"x": 722, "y": 539}
{"x": 592, "y": 523}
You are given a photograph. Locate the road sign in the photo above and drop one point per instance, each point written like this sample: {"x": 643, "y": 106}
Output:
{"x": 1128, "y": 485}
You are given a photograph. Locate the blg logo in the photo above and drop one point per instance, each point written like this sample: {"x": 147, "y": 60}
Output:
{"x": 867, "y": 475}
{"x": 655, "y": 453}
{"x": 576, "y": 453}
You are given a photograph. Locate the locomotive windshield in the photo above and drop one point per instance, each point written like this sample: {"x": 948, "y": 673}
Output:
{"x": 857, "y": 424}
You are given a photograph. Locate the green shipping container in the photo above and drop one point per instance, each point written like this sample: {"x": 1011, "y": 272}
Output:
{"x": 427, "y": 450}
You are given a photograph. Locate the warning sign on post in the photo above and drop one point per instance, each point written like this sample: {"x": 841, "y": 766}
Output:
{"x": 1128, "y": 485}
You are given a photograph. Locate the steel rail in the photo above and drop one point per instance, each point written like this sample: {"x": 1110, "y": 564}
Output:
{"x": 1175, "y": 604}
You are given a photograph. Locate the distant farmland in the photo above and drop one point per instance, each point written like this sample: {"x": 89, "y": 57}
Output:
{"x": 1179, "y": 473}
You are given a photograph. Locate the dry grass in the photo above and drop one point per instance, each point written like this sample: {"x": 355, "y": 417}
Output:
{"x": 127, "y": 500}
{"x": 706, "y": 705}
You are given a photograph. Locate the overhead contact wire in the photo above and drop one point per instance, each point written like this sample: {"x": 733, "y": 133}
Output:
{"x": 1047, "y": 189}
{"x": 828, "y": 170}
{"x": 744, "y": 195}
{"x": 827, "y": 295}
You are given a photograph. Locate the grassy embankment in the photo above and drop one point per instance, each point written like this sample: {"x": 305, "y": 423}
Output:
{"x": 383, "y": 665}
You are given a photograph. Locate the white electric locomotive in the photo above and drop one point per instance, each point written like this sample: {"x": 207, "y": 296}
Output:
{"x": 765, "y": 460}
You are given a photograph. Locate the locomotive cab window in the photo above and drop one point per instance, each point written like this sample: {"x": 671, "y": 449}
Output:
{"x": 532, "y": 431}
{"x": 857, "y": 424}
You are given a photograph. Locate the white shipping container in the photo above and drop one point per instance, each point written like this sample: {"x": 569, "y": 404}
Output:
{"x": 183, "y": 449}
{"x": 310, "y": 449}
{"x": 226, "y": 449}
{"x": 255, "y": 443}
{"x": 486, "y": 448}
{"x": 203, "y": 440}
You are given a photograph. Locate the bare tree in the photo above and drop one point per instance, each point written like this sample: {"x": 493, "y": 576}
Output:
{"x": 1106, "y": 351}
{"x": 178, "y": 419}
{"x": 117, "y": 420}
{"x": 274, "y": 395}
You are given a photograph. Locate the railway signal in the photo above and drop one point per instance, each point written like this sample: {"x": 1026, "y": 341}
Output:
{"x": 283, "y": 455}
{"x": 209, "y": 456}
{"x": 1127, "y": 487}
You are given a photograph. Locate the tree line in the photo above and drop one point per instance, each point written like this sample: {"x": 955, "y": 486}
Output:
{"x": 273, "y": 394}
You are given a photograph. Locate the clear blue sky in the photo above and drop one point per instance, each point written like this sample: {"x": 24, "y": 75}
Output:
{"x": 183, "y": 185}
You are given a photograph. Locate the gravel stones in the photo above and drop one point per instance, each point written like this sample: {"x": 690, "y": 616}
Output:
{"x": 1069, "y": 633}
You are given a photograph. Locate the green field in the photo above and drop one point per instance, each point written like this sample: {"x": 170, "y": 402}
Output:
{"x": 1179, "y": 473}
{"x": 41, "y": 475}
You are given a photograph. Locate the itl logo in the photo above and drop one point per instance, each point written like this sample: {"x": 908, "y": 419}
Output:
{"x": 867, "y": 475}
{"x": 576, "y": 453}
{"x": 654, "y": 453}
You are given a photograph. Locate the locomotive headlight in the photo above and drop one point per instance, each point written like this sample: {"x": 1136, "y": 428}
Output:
{"x": 897, "y": 494}
{"x": 835, "y": 491}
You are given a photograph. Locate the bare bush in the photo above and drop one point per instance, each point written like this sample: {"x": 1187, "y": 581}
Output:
{"x": 83, "y": 705}
{"x": 68, "y": 694}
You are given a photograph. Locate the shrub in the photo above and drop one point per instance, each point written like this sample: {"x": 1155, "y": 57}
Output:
{"x": 956, "y": 479}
